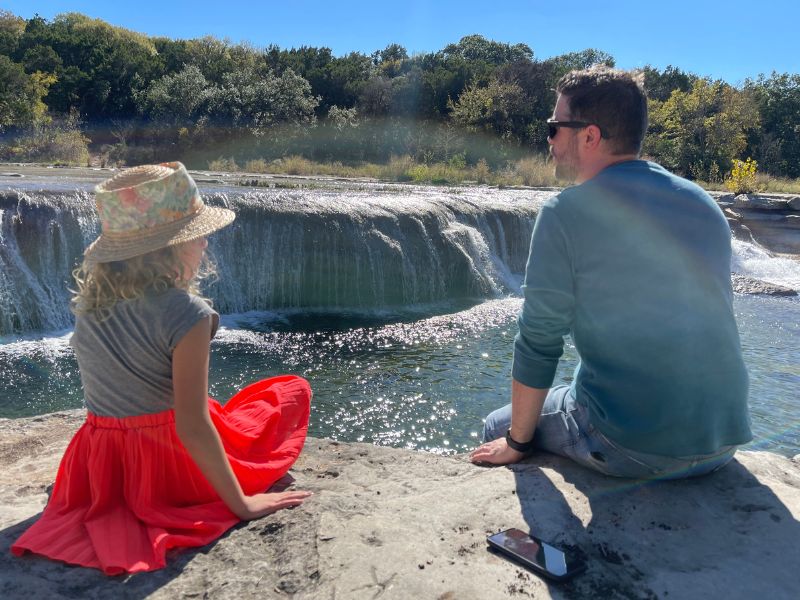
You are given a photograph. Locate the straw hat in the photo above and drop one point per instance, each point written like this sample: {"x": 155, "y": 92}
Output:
{"x": 151, "y": 207}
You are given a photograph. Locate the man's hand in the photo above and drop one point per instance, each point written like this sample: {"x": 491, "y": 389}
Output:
{"x": 496, "y": 452}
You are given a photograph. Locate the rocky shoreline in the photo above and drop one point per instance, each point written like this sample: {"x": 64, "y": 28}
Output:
{"x": 388, "y": 523}
{"x": 771, "y": 220}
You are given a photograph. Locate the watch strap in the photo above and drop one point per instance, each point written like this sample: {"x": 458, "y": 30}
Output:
{"x": 518, "y": 446}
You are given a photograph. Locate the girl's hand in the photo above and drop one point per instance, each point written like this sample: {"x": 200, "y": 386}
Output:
{"x": 496, "y": 452}
{"x": 258, "y": 505}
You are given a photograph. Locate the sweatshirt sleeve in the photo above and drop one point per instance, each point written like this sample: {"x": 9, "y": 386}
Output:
{"x": 549, "y": 303}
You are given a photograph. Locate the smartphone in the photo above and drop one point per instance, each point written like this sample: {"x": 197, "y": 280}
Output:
{"x": 541, "y": 557}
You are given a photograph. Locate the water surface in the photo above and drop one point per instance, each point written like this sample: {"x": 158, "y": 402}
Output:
{"x": 420, "y": 378}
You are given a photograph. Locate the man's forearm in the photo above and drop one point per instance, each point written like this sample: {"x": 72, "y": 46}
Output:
{"x": 526, "y": 406}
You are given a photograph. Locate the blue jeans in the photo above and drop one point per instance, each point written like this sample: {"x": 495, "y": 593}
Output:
{"x": 564, "y": 429}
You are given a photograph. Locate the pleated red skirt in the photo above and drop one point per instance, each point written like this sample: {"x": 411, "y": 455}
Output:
{"x": 127, "y": 491}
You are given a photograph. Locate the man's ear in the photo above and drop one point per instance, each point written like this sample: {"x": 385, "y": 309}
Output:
{"x": 592, "y": 136}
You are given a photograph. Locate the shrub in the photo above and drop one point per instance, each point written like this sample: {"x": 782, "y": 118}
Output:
{"x": 743, "y": 177}
{"x": 60, "y": 141}
{"x": 258, "y": 165}
{"x": 481, "y": 171}
{"x": 223, "y": 164}
{"x": 535, "y": 172}
{"x": 297, "y": 165}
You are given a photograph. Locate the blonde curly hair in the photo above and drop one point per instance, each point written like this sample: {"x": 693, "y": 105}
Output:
{"x": 101, "y": 285}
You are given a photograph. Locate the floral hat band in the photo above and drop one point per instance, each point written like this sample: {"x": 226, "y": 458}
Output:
{"x": 151, "y": 207}
{"x": 146, "y": 196}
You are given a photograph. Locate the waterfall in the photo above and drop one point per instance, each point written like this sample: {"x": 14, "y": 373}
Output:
{"x": 367, "y": 247}
{"x": 356, "y": 246}
{"x": 41, "y": 237}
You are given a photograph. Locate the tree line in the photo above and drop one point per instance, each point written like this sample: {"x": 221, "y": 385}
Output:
{"x": 74, "y": 81}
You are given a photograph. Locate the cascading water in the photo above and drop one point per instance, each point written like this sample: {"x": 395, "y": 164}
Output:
{"x": 350, "y": 248}
{"x": 41, "y": 236}
{"x": 367, "y": 248}
{"x": 754, "y": 261}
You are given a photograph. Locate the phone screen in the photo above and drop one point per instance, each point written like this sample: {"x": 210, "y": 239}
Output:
{"x": 536, "y": 553}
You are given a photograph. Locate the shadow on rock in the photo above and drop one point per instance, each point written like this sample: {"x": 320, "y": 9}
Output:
{"x": 725, "y": 535}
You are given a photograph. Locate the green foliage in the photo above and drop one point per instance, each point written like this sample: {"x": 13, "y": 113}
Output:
{"x": 11, "y": 30}
{"x": 476, "y": 48}
{"x": 584, "y": 59}
{"x": 477, "y": 99}
{"x": 100, "y": 64}
{"x": 21, "y": 95}
{"x": 176, "y": 98}
{"x": 255, "y": 102}
{"x": 343, "y": 118}
{"x": 777, "y": 143}
{"x": 691, "y": 131}
{"x": 660, "y": 84}
{"x": 500, "y": 108}
{"x": 742, "y": 179}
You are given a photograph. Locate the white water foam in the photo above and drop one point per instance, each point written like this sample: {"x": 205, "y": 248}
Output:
{"x": 754, "y": 261}
{"x": 51, "y": 346}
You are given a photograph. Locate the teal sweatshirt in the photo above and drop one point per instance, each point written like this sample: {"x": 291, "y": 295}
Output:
{"x": 634, "y": 264}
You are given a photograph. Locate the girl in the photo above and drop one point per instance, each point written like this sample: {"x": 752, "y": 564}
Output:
{"x": 158, "y": 464}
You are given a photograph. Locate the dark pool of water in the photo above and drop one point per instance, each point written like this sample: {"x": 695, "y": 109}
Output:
{"x": 408, "y": 379}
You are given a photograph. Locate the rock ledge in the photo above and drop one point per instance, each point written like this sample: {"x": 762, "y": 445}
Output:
{"x": 387, "y": 523}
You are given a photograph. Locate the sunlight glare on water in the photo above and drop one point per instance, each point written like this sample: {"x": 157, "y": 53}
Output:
{"x": 405, "y": 378}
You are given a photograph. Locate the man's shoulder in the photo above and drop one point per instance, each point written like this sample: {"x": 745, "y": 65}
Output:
{"x": 641, "y": 175}
{"x": 565, "y": 197}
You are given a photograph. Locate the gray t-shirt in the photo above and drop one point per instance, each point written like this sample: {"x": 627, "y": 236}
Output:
{"x": 126, "y": 360}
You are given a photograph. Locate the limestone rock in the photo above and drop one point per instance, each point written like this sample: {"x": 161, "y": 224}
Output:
{"x": 396, "y": 524}
{"x": 748, "y": 285}
{"x": 760, "y": 202}
{"x": 724, "y": 199}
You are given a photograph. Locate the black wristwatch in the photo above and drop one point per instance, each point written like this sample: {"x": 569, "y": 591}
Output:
{"x": 518, "y": 446}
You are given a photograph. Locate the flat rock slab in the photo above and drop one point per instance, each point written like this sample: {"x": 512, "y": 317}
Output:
{"x": 387, "y": 523}
{"x": 748, "y": 285}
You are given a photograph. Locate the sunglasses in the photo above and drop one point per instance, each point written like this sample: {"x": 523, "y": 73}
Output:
{"x": 553, "y": 125}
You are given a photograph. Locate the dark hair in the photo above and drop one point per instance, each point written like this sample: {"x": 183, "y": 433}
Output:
{"x": 612, "y": 99}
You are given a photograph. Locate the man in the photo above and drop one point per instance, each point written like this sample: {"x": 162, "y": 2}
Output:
{"x": 634, "y": 263}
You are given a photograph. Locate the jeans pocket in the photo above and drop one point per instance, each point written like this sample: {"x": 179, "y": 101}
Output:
{"x": 615, "y": 460}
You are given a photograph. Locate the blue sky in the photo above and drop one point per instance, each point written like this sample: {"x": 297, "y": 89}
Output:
{"x": 729, "y": 40}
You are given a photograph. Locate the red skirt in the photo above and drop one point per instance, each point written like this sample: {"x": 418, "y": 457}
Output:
{"x": 127, "y": 491}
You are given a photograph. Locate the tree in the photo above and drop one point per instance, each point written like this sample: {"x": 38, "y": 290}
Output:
{"x": 537, "y": 79}
{"x": 11, "y": 30}
{"x": 500, "y": 108}
{"x": 375, "y": 98}
{"x": 178, "y": 98}
{"x": 698, "y": 133}
{"x": 583, "y": 59}
{"x": 660, "y": 84}
{"x": 777, "y": 145}
{"x": 104, "y": 63}
{"x": 42, "y": 58}
{"x": 258, "y": 102}
{"x": 21, "y": 95}
{"x": 477, "y": 48}
{"x": 345, "y": 78}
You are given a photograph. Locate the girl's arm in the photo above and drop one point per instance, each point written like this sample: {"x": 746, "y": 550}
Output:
{"x": 200, "y": 437}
